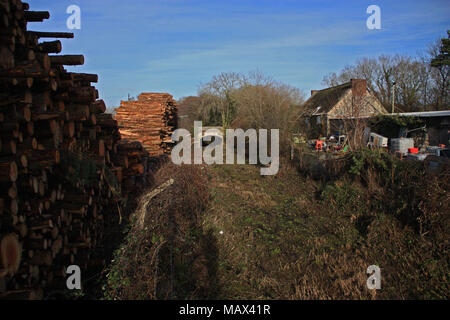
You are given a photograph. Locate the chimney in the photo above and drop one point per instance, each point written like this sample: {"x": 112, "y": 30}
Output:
{"x": 359, "y": 87}
{"x": 313, "y": 91}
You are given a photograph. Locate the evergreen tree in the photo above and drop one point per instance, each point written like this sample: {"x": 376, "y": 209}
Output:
{"x": 443, "y": 58}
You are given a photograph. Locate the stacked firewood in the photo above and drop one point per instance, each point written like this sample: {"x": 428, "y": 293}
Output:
{"x": 151, "y": 119}
{"x": 62, "y": 163}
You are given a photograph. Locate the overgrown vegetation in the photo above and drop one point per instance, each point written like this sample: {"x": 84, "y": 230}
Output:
{"x": 289, "y": 236}
{"x": 167, "y": 254}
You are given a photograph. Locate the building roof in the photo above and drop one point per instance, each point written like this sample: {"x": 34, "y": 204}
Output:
{"x": 443, "y": 113}
{"x": 322, "y": 101}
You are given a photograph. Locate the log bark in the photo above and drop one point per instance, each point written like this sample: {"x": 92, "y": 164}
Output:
{"x": 49, "y": 47}
{"x": 36, "y": 16}
{"x": 40, "y": 34}
{"x": 68, "y": 60}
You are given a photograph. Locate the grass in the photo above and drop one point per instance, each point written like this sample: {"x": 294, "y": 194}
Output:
{"x": 268, "y": 224}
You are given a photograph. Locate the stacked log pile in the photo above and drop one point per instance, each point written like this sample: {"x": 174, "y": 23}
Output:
{"x": 63, "y": 169}
{"x": 151, "y": 119}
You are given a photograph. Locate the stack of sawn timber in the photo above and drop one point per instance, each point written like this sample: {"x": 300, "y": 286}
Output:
{"x": 151, "y": 119}
{"x": 61, "y": 161}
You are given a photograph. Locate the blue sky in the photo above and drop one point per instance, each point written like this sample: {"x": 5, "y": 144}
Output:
{"x": 174, "y": 46}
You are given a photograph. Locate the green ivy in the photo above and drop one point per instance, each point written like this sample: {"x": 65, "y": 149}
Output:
{"x": 363, "y": 159}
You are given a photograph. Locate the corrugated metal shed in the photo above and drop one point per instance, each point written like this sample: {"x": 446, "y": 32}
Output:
{"x": 444, "y": 113}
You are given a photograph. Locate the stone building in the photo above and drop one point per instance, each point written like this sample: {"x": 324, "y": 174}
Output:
{"x": 328, "y": 111}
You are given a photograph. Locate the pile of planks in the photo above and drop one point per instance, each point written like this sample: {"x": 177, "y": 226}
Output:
{"x": 151, "y": 119}
{"x": 63, "y": 169}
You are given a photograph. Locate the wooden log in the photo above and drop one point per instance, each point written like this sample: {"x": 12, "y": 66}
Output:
{"x": 129, "y": 146}
{"x": 49, "y": 47}
{"x": 23, "y": 82}
{"x": 23, "y": 160}
{"x": 22, "y": 229}
{"x": 24, "y": 53}
{"x": 65, "y": 84}
{"x": 36, "y": 16}
{"x": 57, "y": 245}
{"x": 40, "y": 34}
{"x": 109, "y": 123}
{"x": 69, "y": 129}
{"x": 24, "y": 97}
{"x": 68, "y": 60}
{"x": 76, "y": 112}
{"x": 9, "y": 147}
{"x": 44, "y": 60}
{"x": 28, "y": 143}
{"x": 11, "y": 253}
{"x": 47, "y": 144}
{"x": 30, "y": 128}
{"x": 29, "y": 70}
{"x": 40, "y": 223}
{"x": 42, "y": 158}
{"x": 100, "y": 148}
{"x": 8, "y": 171}
{"x": 85, "y": 77}
{"x": 98, "y": 106}
{"x": 12, "y": 191}
{"x": 45, "y": 128}
{"x": 47, "y": 115}
{"x": 83, "y": 92}
{"x": 45, "y": 84}
{"x": 14, "y": 208}
{"x": 42, "y": 101}
{"x": 92, "y": 120}
{"x": 16, "y": 114}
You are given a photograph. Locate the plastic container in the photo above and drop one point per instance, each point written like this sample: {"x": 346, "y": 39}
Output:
{"x": 401, "y": 145}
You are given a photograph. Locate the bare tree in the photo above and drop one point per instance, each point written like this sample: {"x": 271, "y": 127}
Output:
{"x": 250, "y": 101}
{"x": 354, "y": 110}
{"x": 418, "y": 85}
{"x": 440, "y": 76}
{"x": 269, "y": 105}
{"x": 221, "y": 90}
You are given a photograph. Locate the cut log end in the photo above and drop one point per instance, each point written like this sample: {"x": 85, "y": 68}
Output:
{"x": 11, "y": 253}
